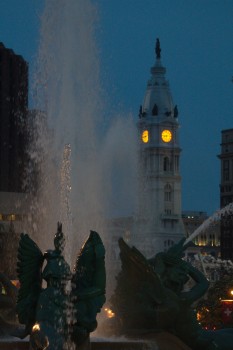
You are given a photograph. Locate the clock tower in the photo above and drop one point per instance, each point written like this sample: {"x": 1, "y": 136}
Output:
{"x": 159, "y": 222}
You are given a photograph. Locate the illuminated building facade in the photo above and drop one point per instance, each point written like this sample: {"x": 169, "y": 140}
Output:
{"x": 192, "y": 220}
{"x": 14, "y": 218}
{"x": 208, "y": 241}
{"x": 159, "y": 212}
{"x": 226, "y": 193}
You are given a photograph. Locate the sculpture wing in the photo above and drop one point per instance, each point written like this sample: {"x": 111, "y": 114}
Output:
{"x": 140, "y": 273}
{"x": 29, "y": 267}
{"x": 89, "y": 282}
{"x": 139, "y": 292}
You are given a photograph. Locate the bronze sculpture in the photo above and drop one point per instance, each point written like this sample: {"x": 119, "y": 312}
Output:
{"x": 158, "y": 49}
{"x": 65, "y": 311}
{"x": 150, "y": 298}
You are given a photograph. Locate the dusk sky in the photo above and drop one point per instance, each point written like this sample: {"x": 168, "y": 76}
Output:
{"x": 196, "y": 39}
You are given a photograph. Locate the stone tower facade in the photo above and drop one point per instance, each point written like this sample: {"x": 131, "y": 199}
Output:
{"x": 159, "y": 222}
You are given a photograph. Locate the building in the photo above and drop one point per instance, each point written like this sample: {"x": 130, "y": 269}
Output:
{"x": 207, "y": 242}
{"x": 14, "y": 201}
{"x": 226, "y": 193}
{"x": 13, "y": 120}
{"x": 159, "y": 223}
{"x": 192, "y": 220}
{"x": 15, "y": 217}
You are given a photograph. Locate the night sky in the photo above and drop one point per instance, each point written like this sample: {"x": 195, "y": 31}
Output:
{"x": 196, "y": 38}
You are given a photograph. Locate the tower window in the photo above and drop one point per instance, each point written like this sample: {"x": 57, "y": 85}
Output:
{"x": 167, "y": 193}
{"x": 177, "y": 163}
{"x": 166, "y": 164}
{"x": 168, "y": 243}
{"x": 226, "y": 176}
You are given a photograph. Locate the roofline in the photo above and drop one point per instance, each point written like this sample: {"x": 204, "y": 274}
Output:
{"x": 227, "y": 130}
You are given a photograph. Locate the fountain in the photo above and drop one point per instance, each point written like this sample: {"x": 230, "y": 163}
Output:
{"x": 62, "y": 315}
{"x": 68, "y": 89}
{"x": 69, "y": 120}
{"x": 150, "y": 301}
{"x": 67, "y": 86}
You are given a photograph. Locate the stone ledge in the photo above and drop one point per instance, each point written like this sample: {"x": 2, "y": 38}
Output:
{"x": 153, "y": 341}
{"x": 108, "y": 345}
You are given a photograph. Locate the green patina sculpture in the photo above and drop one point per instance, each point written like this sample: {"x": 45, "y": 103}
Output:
{"x": 150, "y": 298}
{"x": 65, "y": 311}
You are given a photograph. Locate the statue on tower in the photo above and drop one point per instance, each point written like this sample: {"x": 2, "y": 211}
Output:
{"x": 175, "y": 112}
{"x": 158, "y": 49}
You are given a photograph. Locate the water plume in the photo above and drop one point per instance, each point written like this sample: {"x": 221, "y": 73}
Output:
{"x": 102, "y": 157}
{"x": 212, "y": 219}
{"x": 68, "y": 89}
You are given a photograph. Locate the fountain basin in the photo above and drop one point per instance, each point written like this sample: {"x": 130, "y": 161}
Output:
{"x": 160, "y": 341}
{"x": 96, "y": 345}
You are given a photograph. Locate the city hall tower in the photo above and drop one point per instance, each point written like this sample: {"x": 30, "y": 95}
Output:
{"x": 159, "y": 222}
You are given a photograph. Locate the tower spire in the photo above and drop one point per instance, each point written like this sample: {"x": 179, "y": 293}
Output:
{"x": 158, "y": 49}
{"x": 159, "y": 190}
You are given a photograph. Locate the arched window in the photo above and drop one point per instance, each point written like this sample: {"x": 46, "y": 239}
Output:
{"x": 155, "y": 109}
{"x": 176, "y": 163}
{"x": 166, "y": 164}
{"x": 167, "y": 193}
{"x": 168, "y": 243}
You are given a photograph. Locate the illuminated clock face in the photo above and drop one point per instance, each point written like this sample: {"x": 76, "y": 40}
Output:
{"x": 145, "y": 136}
{"x": 166, "y": 135}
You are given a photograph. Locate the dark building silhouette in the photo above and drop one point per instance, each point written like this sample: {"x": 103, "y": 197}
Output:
{"x": 226, "y": 193}
{"x": 13, "y": 120}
